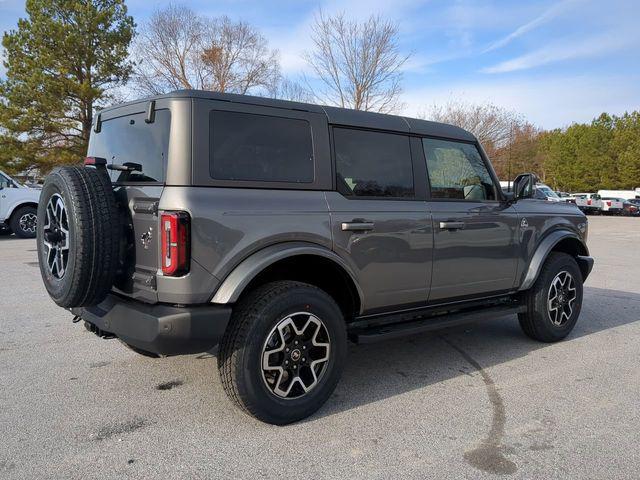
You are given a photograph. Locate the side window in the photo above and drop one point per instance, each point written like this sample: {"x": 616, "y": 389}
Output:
{"x": 456, "y": 171}
{"x": 4, "y": 182}
{"x": 259, "y": 148}
{"x": 129, "y": 141}
{"x": 373, "y": 164}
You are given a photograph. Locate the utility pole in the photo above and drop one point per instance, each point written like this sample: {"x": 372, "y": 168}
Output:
{"x": 509, "y": 156}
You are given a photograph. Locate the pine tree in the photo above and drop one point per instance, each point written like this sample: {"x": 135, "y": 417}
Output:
{"x": 61, "y": 62}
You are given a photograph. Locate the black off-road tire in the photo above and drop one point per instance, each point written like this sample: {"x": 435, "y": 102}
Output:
{"x": 94, "y": 228}
{"x": 239, "y": 358}
{"x": 536, "y": 322}
{"x": 15, "y": 222}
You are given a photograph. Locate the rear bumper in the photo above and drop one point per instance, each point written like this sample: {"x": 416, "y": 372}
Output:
{"x": 162, "y": 329}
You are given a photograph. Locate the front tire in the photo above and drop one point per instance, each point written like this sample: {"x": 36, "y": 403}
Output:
{"x": 24, "y": 222}
{"x": 283, "y": 352}
{"x": 554, "y": 301}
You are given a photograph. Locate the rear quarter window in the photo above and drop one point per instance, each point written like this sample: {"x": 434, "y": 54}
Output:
{"x": 130, "y": 141}
{"x": 373, "y": 164}
{"x": 260, "y": 148}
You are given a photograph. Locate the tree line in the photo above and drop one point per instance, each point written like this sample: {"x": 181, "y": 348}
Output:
{"x": 69, "y": 58}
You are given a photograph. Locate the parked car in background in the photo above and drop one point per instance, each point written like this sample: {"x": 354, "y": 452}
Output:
{"x": 18, "y": 207}
{"x": 631, "y": 207}
{"x": 566, "y": 197}
{"x": 612, "y": 206}
{"x": 589, "y": 203}
{"x": 544, "y": 192}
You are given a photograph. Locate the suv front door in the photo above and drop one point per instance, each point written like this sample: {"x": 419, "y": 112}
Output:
{"x": 475, "y": 233}
{"x": 378, "y": 220}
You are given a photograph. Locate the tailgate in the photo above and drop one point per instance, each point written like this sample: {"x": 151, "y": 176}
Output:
{"x": 140, "y": 249}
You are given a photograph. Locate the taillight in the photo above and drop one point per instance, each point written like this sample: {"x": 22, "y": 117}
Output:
{"x": 174, "y": 232}
{"x": 608, "y": 204}
{"x": 589, "y": 202}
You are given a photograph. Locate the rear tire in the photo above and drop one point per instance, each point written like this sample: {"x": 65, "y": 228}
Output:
{"x": 283, "y": 352}
{"x": 23, "y": 222}
{"x": 554, "y": 301}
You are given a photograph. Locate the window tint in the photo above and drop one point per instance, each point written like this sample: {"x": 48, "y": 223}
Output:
{"x": 456, "y": 170}
{"x": 4, "y": 181}
{"x": 373, "y": 164}
{"x": 260, "y": 148}
{"x": 130, "y": 141}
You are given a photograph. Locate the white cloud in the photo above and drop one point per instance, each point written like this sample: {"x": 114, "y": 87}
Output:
{"x": 547, "y": 102}
{"x": 548, "y": 15}
{"x": 563, "y": 50}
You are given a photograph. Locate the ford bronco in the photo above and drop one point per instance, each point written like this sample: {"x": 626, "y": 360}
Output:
{"x": 278, "y": 231}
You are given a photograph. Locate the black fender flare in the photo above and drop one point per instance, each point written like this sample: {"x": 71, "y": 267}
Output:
{"x": 234, "y": 284}
{"x": 585, "y": 262}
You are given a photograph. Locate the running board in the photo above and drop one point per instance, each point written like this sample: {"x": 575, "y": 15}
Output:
{"x": 394, "y": 330}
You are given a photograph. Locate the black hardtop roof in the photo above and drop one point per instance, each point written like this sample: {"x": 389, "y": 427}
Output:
{"x": 335, "y": 115}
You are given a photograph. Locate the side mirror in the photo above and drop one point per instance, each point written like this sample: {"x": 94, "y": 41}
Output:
{"x": 524, "y": 186}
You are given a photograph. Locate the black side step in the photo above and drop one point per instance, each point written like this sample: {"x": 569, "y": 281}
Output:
{"x": 388, "y": 331}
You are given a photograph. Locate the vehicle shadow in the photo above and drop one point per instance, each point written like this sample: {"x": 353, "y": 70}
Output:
{"x": 381, "y": 370}
{"x": 14, "y": 237}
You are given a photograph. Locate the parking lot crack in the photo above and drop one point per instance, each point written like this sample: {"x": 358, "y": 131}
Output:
{"x": 489, "y": 455}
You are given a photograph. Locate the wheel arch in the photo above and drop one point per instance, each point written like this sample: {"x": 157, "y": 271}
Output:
{"x": 564, "y": 241}
{"x": 309, "y": 263}
{"x": 19, "y": 205}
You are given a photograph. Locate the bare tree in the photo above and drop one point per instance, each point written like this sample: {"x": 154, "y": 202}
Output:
{"x": 287, "y": 89}
{"x": 237, "y": 58}
{"x": 179, "y": 49}
{"x": 492, "y": 125}
{"x": 358, "y": 65}
{"x": 168, "y": 51}
{"x": 508, "y": 139}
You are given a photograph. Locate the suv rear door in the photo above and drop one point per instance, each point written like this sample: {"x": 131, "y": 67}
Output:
{"x": 475, "y": 234}
{"x": 378, "y": 220}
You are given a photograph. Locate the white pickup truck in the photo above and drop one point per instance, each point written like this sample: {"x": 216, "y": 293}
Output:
{"x": 18, "y": 207}
{"x": 588, "y": 202}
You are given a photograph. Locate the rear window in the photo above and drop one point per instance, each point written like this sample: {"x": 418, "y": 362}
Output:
{"x": 373, "y": 164}
{"x": 129, "y": 141}
{"x": 260, "y": 148}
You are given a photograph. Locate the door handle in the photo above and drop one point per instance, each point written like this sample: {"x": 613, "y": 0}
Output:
{"x": 357, "y": 226}
{"x": 451, "y": 225}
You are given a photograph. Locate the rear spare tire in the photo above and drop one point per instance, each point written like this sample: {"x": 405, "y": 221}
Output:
{"x": 78, "y": 235}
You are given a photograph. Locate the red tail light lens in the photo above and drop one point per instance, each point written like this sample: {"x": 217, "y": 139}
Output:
{"x": 175, "y": 238}
{"x": 589, "y": 202}
{"x": 608, "y": 204}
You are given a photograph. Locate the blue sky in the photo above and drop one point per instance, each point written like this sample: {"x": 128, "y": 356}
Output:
{"x": 555, "y": 62}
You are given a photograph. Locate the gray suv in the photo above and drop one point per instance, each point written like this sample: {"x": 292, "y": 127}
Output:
{"x": 279, "y": 231}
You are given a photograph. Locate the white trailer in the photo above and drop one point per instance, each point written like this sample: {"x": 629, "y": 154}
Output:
{"x": 626, "y": 194}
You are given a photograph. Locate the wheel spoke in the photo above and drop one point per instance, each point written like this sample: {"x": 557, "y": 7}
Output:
{"x": 55, "y": 235}
{"x": 561, "y": 298}
{"x": 295, "y": 355}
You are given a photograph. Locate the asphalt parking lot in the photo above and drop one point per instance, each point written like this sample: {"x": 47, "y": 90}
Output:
{"x": 469, "y": 402}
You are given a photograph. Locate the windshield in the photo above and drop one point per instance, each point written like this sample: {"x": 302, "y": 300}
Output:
{"x": 6, "y": 180}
